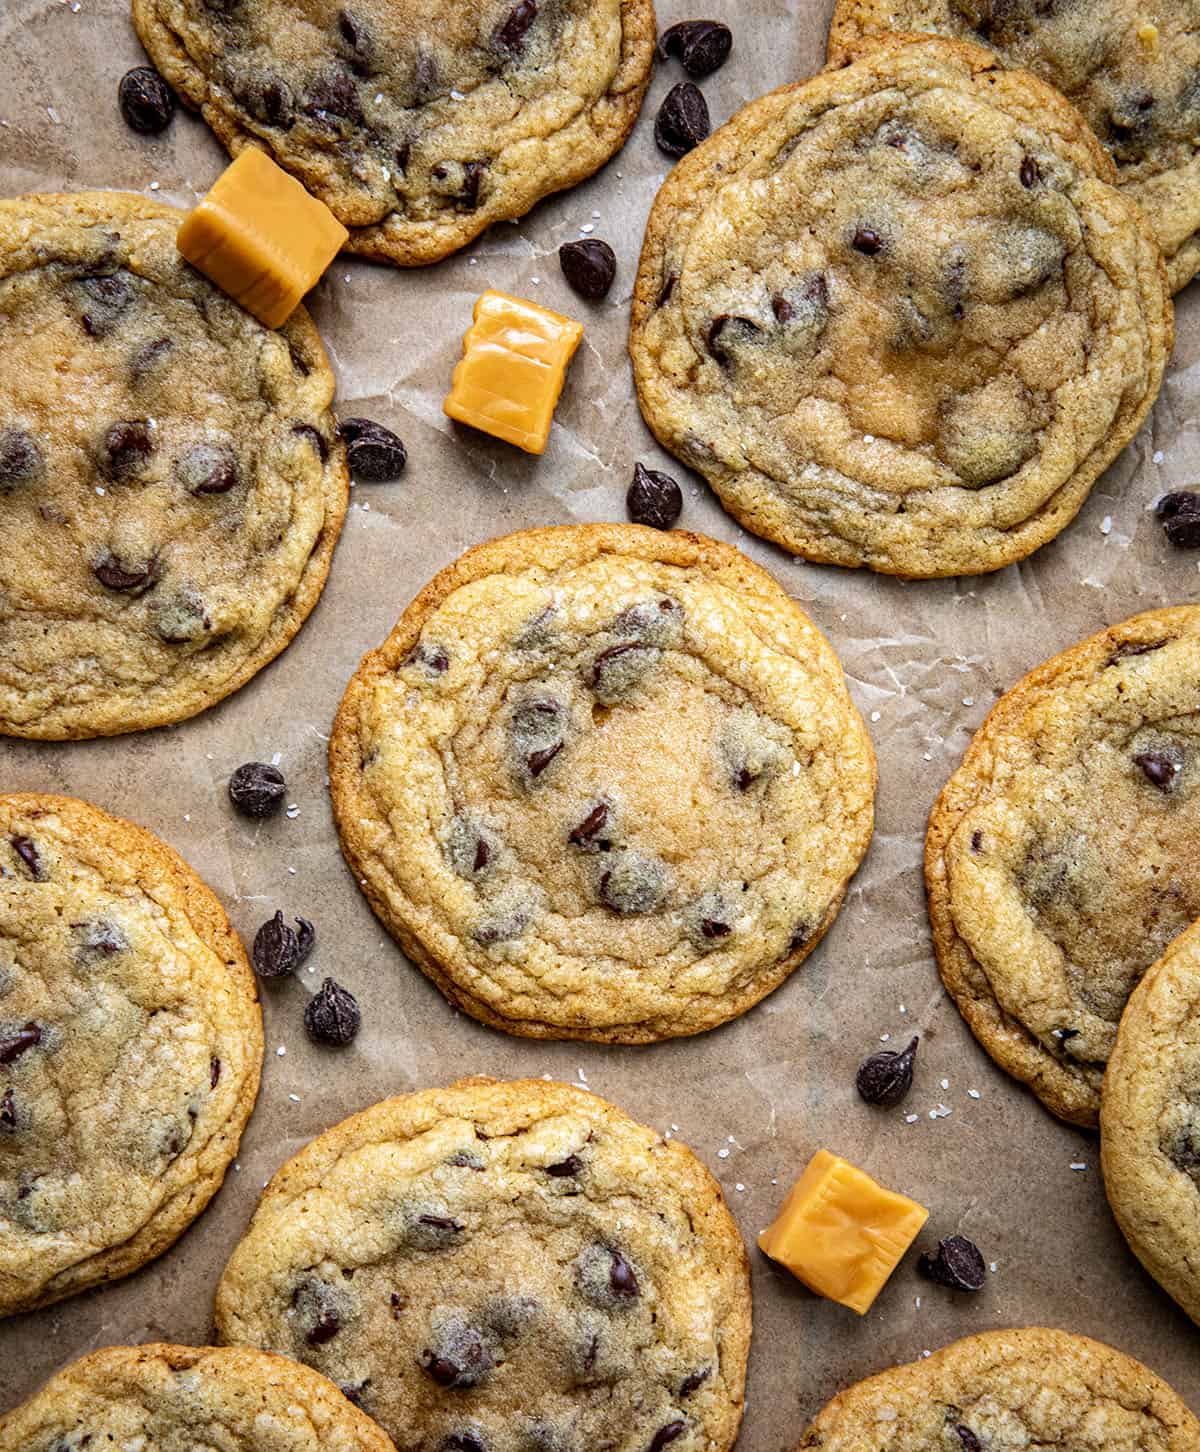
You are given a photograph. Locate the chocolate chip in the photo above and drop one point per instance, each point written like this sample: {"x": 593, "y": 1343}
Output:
{"x": 589, "y": 267}
{"x": 355, "y": 42}
{"x": 885, "y": 1078}
{"x": 605, "y": 1278}
{"x": 147, "y": 102}
{"x": 714, "y": 929}
{"x": 570, "y": 1166}
{"x": 667, "y": 289}
{"x": 507, "y": 919}
{"x": 1180, "y": 514}
{"x": 694, "y": 1381}
{"x": 270, "y": 101}
{"x": 8, "y": 1110}
{"x": 98, "y": 938}
{"x": 355, "y": 1392}
{"x": 432, "y": 657}
{"x": 782, "y": 308}
{"x": 306, "y": 936}
{"x": 511, "y": 33}
{"x": 654, "y": 498}
{"x": 30, "y": 856}
{"x": 306, "y": 431}
{"x": 459, "y": 1357}
{"x": 1030, "y": 174}
{"x": 375, "y": 454}
{"x": 538, "y": 761}
{"x": 148, "y": 357}
{"x": 463, "y": 1442}
{"x": 682, "y": 121}
{"x": 327, "y": 1326}
{"x": 127, "y": 448}
{"x": 587, "y": 833}
{"x": 867, "y": 241}
{"x": 21, "y": 460}
{"x": 13, "y": 1045}
{"x": 621, "y": 1276}
{"x": 333, "y": 101}
{"x": 738, "y": 329}
{"x": 633, "y": 885}
{"x": 214, "y": 1072}
{"x": 702, "y": 45}
{"x": 332, "y": 1015}
{"x": 619, "y": 667}
{"x": 957, "y": 1264}
{"x": 968, "y": 1438}
{"x": 207, "y": 469}
{"x": 1137, "y": 647}
{"x": 1159, "y": 768}
{"x": 276, "y": 949}
{"x": 666, "y": 1434}
{"x": 440, "y": 1222}
{"x": 131, "y": 580}
{"x": 105, "y": 300}
{"x": 257, "y": 789}
{"x": 537, "y": 727}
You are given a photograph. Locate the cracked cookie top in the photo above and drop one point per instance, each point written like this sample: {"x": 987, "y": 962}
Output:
{"x": 1006, "y": 1391}
{"x": 603, "y": 782}
{"x": 171, "y": 484}
{"x": 897, "y": 315}
{"x": 418, "y": 122}
{"x": 179, "y": 1398}
{"x": 503, "y": 1267}
{"x": 1132, "y": 70}
{"x": 130, "y": 1047}
{"x": 1150, "y": 1122}
{"x": 1064, "y": 853}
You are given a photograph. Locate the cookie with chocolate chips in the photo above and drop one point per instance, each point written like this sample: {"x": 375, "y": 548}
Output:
{"x": 603, "y": 782}
{"x": 1007, "y": 1391}
{"x": 898, "y": 316}
{"x": 171, "y": 481}
{"x": 418, "y": 122}
{"x": 503, "y": 1267}
{"x": 1132, "y": 70}
{"x": 1063, "y": 855}
{"x": 1150, "y": 1121}
{"x": 130, "y": 1048}
{"x": 173, "y": 1397}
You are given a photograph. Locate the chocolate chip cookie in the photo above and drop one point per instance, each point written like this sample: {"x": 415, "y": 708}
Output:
{"x": 130, "y": 1047}
{"x": 1150, "y": 1122}
{"x": 177, "y": 1398}
{"x": 503, "y": 1266}
{"x": 1132, "y": 70}
{"x": 898, "y": 316}
{"x": 1064, "y": 853}
{"x": 418, "y": 122}
{"x": 603, "y": 782}
{"x": 171, "y": 483}
{"x": 1009, "y": 1391}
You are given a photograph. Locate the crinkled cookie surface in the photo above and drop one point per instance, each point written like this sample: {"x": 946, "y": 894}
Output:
{"x": 171, "y": 484}
{"x": 418, "y": 122}
{"x": 898, "y": 316}
{"x": 1009, "y": 1391}
{"x": 180, "y": 1398}
{"x": 1063, "y": 855}
{"x": 130, "y": 1047}
{"x": 503, "y": 1266}
{"x": 603, "y": 782}
{"x": 1132, "y": 70}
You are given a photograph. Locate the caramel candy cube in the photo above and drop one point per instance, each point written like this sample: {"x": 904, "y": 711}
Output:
{"x": 261, "y": 237}
{"x": 509, "y": 379}
{"x": 841, "y": 1233}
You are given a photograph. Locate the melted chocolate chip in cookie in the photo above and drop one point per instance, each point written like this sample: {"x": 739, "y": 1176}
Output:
{"x": 21, "y": 460}
{"x": 606, "y": 1279}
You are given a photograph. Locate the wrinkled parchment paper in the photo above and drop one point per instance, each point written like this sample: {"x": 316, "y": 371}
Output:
{"x": 925, "y": 662}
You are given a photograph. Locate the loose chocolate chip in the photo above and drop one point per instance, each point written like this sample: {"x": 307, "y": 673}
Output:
{"x": 736, "y": 327}
{"x": 682, "y": 121}
{"x": 8, "y": 1110}
{"x": 1159, "y": 769}
{"x": 694, "y": 1381}
{"x": 654, "y": 498}
{"x": 207, "y": 469}
{"x": 867, "y": 241}
{"x": 702, "y": 45}
{"x": 510, "y": 34}
{"x": 276, "y": 949}
{"x": 570, "y": 1166}
{"x": 1030, "y": 174}
{"x": 666, "y": 1434}
{"x": 968, "y": 1438}
{"x": 30, "y": 856}
{"x": 257, "y": 789}
{"x": 306, "y": 431}
{"x": 147, "y": 102}
{"x": 214, "y": 1072}
{"x": 588, "y": 831}
{"x": 885, "y": 1078}
{"x": 589, "y": 267}
{"x": 1180, "y": 514}
{"x": 332, "y": 1016}
{"x": 128, "y": 445}
{"x": 13, "y": 1045}
{"x": 957, "y": 1264}
{"x": 356, "y": 42}
{"x": 333, "y": 100}
{"x": 115, "y": 576}
{"x": 21, "y": 460}
{"x": 375, "y": 454}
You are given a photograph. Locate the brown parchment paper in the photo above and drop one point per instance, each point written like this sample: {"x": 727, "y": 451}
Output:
{"x": 925, "y": 662}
